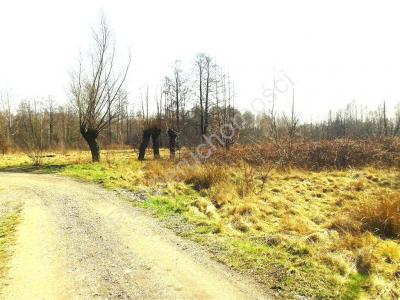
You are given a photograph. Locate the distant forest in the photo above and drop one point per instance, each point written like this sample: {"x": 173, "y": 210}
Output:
{"x": 48, "y": 126}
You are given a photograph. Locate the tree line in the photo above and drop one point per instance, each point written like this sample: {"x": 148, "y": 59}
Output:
{"x": 189, "y": 105}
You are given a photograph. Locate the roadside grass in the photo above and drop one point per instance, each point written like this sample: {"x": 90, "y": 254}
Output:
{"x": 52, "y": 163}
{"x": 8, "y": 226}
{"x": 288, "y": 268}
{"x": 326, "y": 235}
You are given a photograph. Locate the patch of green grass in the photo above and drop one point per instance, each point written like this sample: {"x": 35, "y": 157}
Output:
{"x": 163, "y": 206}
{"x": 298, "y": 249}
{"x": 8, "y": 226}
{"x": 273, "y": 266}
{"x": 13, "y": 161}
{"x": 44, "y": 169}
{"x": 91, "y": 172}
{"x": 355, "y": 287}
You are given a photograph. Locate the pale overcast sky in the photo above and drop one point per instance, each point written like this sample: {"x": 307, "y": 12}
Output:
{"x": 334, "y": 51}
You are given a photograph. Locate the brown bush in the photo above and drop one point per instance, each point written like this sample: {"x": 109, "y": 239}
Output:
{"x": 329, "y": 154}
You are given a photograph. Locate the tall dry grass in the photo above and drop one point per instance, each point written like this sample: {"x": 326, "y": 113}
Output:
{"x": 203, "y": 176}
{"x": 379, "y": 215}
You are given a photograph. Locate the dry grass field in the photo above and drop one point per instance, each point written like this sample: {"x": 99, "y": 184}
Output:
{"x": 323, "y": 234}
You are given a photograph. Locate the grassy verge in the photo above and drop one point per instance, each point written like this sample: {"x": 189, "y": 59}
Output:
{"x": 288, "y": 269}
{"x": 324, "y": 235}
{"x": 8, "y": 225}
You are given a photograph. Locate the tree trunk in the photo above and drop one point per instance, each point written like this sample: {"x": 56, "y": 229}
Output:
{"x": 144, "y": 144}
{"x": 205, "y": 129}
{"x": 201, "y": 103}
{"x": 95, "y": 150}
{"x": 172, "y": 143}
{"x": 90, "y": 137}
{"x": 109, "y": 129}
{"x": 155, "y": 137}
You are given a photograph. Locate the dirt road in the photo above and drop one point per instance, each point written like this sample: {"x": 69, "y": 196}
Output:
{"x": 78, "y": 241}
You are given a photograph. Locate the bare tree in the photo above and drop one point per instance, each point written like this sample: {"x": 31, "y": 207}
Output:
{"x": 97, "y": 89}
{"x": 396, "y": 130}
{"x": 385, "y": 120}
{"x": 50, "y": 111}
{"x": 6, "y": 124}
{"x": 272, "y": 114}
{"x": 29, "y": 136}
{"x": 8, "y": 116}
{"x": 207, "y": 61}
{"x": 204, "y": 70}
{"x": 177, "y": 89}
{"x": 292, "y": 123}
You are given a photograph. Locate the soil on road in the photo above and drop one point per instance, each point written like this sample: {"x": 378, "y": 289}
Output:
{"x": 79, "y": 241}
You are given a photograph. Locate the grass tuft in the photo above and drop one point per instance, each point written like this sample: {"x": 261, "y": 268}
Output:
{"x": 380, "y": 214}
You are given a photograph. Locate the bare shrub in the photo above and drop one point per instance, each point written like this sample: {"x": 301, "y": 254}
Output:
{"x": 246, "y": 183}
{"x": 36, "y": 155}
{"x": 252, "y": 180}
{"x": 30, "y": 137}
{"x": 328, "y": 154}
